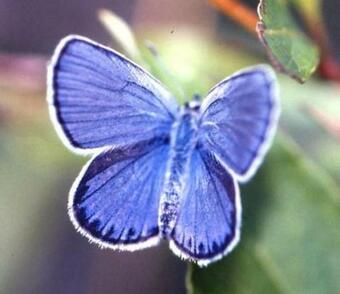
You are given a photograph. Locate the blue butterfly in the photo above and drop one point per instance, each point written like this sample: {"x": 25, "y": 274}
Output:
{"x": 159, "y": 170}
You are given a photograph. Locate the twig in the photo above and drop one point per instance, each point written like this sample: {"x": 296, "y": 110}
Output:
{"x": 238, "y": 12}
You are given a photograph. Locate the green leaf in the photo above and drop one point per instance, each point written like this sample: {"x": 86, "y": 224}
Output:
{"x": 290, "y": 237}
{"x": 288, "y": 48}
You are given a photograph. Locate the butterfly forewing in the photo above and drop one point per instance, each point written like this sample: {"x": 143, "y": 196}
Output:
{"x": 98, "y": 98}
{"x": 239, "y": 118}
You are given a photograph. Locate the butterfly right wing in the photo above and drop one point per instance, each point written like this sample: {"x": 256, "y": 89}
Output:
{"x": 115, "y": 200}
{"x": 98, "y": 98}
{"x": 209, "y": 216}
{"x": 239, "y": 119}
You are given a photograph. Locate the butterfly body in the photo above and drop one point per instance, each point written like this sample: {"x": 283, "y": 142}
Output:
{"x": 183, "y": 141}
{"x": 158, "y": 170}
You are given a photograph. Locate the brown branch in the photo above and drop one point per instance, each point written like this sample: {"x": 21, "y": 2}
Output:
{"x": 238, "y": 12}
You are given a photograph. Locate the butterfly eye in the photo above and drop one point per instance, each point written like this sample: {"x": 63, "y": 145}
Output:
{"x": 194, "y": 105}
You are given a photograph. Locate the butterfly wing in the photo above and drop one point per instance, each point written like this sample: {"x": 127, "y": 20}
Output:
{"x": 99, "y": 98}
{"x": 239, "y": 118}
{"x": 208, "y": 223}
{"x": 115, "y": 200}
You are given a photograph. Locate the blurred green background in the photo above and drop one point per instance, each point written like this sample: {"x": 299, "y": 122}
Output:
{"x": 290, "y": 238}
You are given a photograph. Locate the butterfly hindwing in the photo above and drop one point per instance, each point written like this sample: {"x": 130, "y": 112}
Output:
{"x": 99, "y": 98}
{"x": 208, "y": 223}
{"x": 239, "y": 118}
{"x": 116, "y": 199}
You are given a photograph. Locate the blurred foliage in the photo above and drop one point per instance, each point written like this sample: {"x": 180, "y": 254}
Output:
{"x": 120, "y": 32}
{"x": 289, "y": 49}
{"x": 309, "y": 8}
{"x": 331, "y": 10}
{"x": 290, "y": 240}
{"x": 33, "y": 163}
{"x": 330, "y": 32}
{"x": 300, "y": 124}
{"x": 189, "y": 68}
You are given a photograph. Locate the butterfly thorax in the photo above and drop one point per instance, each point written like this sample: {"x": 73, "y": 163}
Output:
{"x": 182, "y": 143}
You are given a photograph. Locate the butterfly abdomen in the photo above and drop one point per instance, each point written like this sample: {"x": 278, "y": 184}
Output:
{"x": 183, "y": 141}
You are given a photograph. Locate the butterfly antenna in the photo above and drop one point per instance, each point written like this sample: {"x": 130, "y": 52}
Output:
{"x": 163, "y": 72}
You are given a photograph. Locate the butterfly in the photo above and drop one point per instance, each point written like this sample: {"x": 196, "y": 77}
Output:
{"x": 158, "y": 170}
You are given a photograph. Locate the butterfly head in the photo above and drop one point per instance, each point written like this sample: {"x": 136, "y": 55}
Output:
{"x": 193, "y": 106}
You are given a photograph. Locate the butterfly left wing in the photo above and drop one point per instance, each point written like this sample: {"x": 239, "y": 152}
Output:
{"x": 115, "y": 200}
{"x": 98, "y": 98}
{"x": 209, "y": 217}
